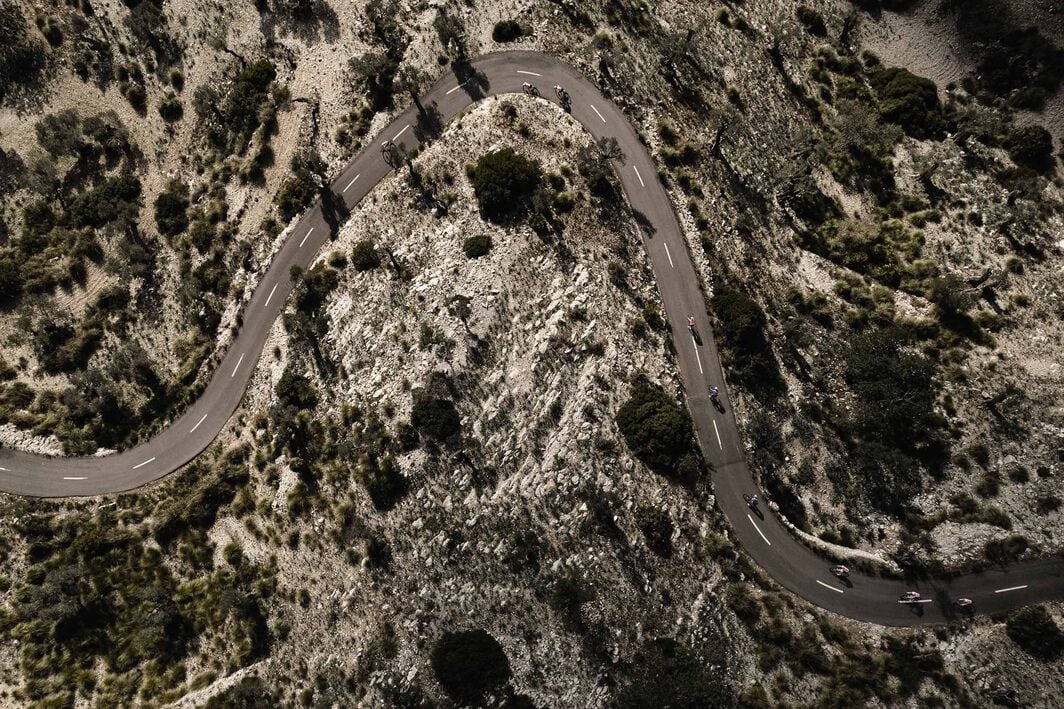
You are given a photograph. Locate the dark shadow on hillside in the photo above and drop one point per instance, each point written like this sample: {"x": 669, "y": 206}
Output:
{"x": 309, "y": 20}
{"x": 429, "y": 122}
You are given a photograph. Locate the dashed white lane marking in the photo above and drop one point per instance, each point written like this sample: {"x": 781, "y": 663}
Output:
{"x": 669, "y": 254}
{"x": 1010, "y": 588}
{"x": 451, "y": 91}
{"x": 639, "y": 176}
{"x": 4, "y": 469}
{"x": 718, "y": 435}
{"x": 918, "y": 600}
{"x": 827, "y": 585}
{"x": 270, "y": 295}
{"x": 141, "y": 465}
{"x": 597, "y": 112}
{"x": 307, "y": 236}
{"x": 530, "y": 73}
{"x": 198, "y": 423}
{"x": 82, "y": 478}
{"x": 237, "y": 365}
{"x": 401, "y": 132}
{"x": 758, "y": 530}
{"x": 697, "y": 356}
{"x": 352, "y": 182}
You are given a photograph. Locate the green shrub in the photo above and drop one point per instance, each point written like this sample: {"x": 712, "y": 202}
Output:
{"x": 296, "y": 390}
{"x": 296, "y": 193}
{"x": 374, "y": 72}
{"x": 477, "y": 245}
{"x": 22, "y": 57}
{"x": 748, "y": 353}
{"x": 1031, "y": 146}
{"x": 171, "y": 209}
{"x": 813, "y": 20}
{"x": 657, "y": 529}
{"x": 384, "y": 482}
{"x": 1004, "y": 551}
{"x": 1035, "y": 631}
{"x": 170, "y": 108}
{"x": 910, "y": 101}
{"x": 658, "y": 431}
{"x": 504, "y": 183}
{"x": 365, "y": 256}
{"x": 666, "y": 673}
{"x": 507, "y": 31}
{"x": 469, "y": 664}
{"x": 435, "y": 418}
{"x": 314, "y": 287}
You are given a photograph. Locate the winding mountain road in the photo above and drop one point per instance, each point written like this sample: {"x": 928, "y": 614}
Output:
{"x": 764, "y": 537}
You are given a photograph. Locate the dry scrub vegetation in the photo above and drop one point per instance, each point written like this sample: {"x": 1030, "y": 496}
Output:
{"x": 442, "y": 486}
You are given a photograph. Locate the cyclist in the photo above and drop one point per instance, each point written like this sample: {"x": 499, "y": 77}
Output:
{"x": 752, "y": 501}
{"x": 963, "y": 602}
{"x": 840, "y": 571}
{"x": 562, "y": 94}
{"x": 910, "y": 596}
{"x": 691, "y": 323}
{"x": 714, "y": 395}
{"x": 528, "y": 88}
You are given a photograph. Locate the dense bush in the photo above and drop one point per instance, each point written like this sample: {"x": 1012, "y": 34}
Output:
{"x": 657, "y": 529}
{"x": 296, "y": 390}
{"x": 1031, "y": 146}
{"x": 384, "y": 482}
{"x": 507, "y": 31}
{"x": 315, "y": 287}
{"x": 233, "y": 117}
{"x": 910, "y": 101}
{"x": 1034, "y": 630}
{"x": 374, "y": 72}
{"x": 365, "y": 256}
{"x": 892, "y": 420}
{"x": 435, "y": 418}
{"x": 468, "y": 664}
{"x": 22, "y": 56}
{"x": 476, "y": 246}
{"x": 504, "y": 183}
{"x": 658, "y": 431}
{"x": 747, "y": 350}
{"x": 296, "y": 193}
{"x": 666, "y": 673}
{"x": 813, "y": 20}
{"x": 171, "y": 209}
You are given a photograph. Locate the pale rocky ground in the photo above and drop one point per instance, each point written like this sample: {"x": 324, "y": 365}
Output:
{"x": 538, "y": 315}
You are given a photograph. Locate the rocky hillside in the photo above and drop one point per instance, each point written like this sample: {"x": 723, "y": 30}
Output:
{"x": 426, "y": 497}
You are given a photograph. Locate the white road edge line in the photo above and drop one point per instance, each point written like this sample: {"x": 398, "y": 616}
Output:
{"x": 827, "y": 585}
{"x": 639, "y": 176}
{"x": 237, "y": 365}
{"x": 451, "y": 91}
{"x": 597, "y": 112}
{"x": 669, "y": 254}
{"x": 352, "y": 181}
{"x": 697, "y": 356}
{"x": 75, "y": 478}
{"x": 758, "y": 530}
{"x": 307, "y": 236}
{"x": 530, "y": 73}
{"x": 141, "y": 465}
{"x": 270, "y": 295}
{"x": 1010, "y": 588}
{"x": 401, "y": 132}
{"x": 198, "y": 423}
{"x": 718, "y": 434}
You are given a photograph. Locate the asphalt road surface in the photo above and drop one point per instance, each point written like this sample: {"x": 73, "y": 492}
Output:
{"x": 763, "y": 536}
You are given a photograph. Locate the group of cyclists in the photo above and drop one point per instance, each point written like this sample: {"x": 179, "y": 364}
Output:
{"x": 563, "y": 95}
